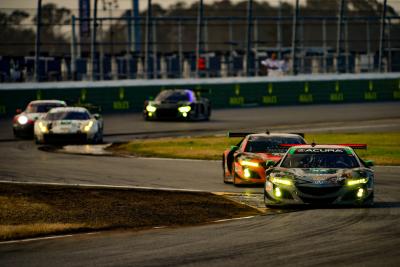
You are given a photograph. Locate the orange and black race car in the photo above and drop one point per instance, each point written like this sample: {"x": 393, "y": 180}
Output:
{"x": 246, "y": 162}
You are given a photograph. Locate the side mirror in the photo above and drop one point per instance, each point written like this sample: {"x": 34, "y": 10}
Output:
{"x": 234, "y": 147}
{"x": 97, "y": 116}
{"x": 368, "y": 163}
{"x": 18, "y": 111}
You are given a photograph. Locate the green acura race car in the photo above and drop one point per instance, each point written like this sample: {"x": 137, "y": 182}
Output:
{"x": 320, "y": 174}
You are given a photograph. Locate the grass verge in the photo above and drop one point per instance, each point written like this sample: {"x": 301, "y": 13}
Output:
{"x": 383, "y": 148}
{"x": 28, "y": 211}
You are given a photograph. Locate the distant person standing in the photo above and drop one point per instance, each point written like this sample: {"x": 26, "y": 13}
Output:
{"x": 274, "y": 67}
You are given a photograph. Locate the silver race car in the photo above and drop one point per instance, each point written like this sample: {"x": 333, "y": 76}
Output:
{"x": 24, "y": 121}
{"x": 320, "y": 174}
{"x": 69, "y": 125}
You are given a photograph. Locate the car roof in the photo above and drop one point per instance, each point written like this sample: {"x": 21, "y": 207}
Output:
{"x": 177, "y": 90}
{"x": 68, "y": 109}
{"x": 47, "y": 102}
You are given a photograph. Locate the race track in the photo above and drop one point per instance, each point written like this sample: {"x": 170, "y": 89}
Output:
{"x": 339, "y": 236}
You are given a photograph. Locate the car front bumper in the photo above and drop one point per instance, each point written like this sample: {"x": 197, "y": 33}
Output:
{"x": 317, "y": 194}
{"x": 25, "y": 130}
{"x": 167, "y": 114}
{"x": 249, "y": 175}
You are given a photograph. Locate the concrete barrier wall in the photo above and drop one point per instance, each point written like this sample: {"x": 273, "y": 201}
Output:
{"x": 129, "y": 95}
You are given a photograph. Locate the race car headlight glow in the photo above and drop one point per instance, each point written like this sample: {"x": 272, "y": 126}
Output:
{"x": 278, "y": 192}
{"x": 43, "y": 127}
{"x": 151, "y": 108}
{"x": 246, "y": 173}
{"x": 22, "y": 120}
{"x": 282, "y": 181}
{"x": 351, "y": 182}
{"x": 360, "y": 193}
{"x": 184, "y": 109}
{"x": 88, "y": 126}
{"x": 248, "y": 163}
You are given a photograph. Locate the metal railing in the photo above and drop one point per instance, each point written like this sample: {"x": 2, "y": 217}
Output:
{"x": 213, "y": 46}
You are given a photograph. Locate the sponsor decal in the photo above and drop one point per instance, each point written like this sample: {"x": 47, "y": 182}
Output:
{"x": 306, "y": 97}
{"x": 337, "y": 96}
{"x": 370, "y": 94}
{"x": 270, "y": 99}
{"x": 319, "y": 150}
{"x": 83, "y": 95}
{"x": 120, "y": 105}
{"x": 237, "y": 99}
{"x": 39, "y": 95}
{"x": 396, "y": 94}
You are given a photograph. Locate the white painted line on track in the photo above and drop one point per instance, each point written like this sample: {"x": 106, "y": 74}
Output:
{"x": 233, "y": 219}
{"x": 44, "y": 238}
{"x": 109, "y": 186}
{"x": 385, "y": 166}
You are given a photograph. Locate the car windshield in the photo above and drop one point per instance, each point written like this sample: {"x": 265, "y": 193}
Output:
{"x": 42, "y": 107}
{"x": 270, "y": 144}
{"x": 320, "y": 160}
{"x": 174, "y": 96}
{"x": 67, "y": 115}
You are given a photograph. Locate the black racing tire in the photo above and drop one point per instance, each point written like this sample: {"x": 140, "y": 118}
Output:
{"x": 37, "y": 141}
{"x": 100, "y": 138}
{"x": 223, "y": 170}
{"x": 234, "y": 178}
{"x": 369, "y": 201}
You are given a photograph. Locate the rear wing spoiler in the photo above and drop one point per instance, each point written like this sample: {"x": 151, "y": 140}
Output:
{"x": 236, "y": 134}
{"x": 244, "y": 134}
{"x": 353, "y": 146}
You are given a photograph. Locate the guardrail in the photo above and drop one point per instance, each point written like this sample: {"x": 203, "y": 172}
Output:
{"x": 129, "y": 95}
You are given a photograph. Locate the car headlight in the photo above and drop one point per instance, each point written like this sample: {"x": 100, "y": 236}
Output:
{"x": 282, "y": 181}
{"x": 43, "y": 127}
{"x": 351, "y": 182}
{"x": 151, "y": 108}
{"x": 22, "y": 120}
{"x": 184, "y": 109}
{"x": 248, "y": 163}
{"x": 88, "y": 126}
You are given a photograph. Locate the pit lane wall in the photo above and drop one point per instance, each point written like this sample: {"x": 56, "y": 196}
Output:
{"x": 129, "y": 95}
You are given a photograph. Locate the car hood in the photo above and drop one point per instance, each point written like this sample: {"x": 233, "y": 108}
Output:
{"x": 321, "y": 175}
{"x": 169, "y": 104}
{"x": 264, "y": 156}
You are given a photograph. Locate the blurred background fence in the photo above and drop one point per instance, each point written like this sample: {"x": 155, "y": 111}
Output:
{"x": 195, "y": 39}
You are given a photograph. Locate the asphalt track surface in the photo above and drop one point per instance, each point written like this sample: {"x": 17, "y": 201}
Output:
{"x": 308, "y": 237}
